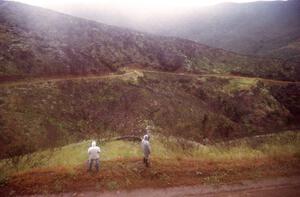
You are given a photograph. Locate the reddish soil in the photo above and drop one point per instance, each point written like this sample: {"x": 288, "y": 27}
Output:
{"x": 131, "y": 174}
{"x": 288, "y": 187}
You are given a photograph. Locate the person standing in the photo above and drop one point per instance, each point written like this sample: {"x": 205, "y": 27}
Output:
{"x": 94, "y": 156}
{"x": 146, "y": 149}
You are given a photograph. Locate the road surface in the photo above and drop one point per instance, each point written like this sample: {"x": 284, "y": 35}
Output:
{"x": 287, "y": 187}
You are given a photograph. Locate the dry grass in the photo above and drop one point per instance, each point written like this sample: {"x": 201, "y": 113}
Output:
{"x": 164, "y": 148}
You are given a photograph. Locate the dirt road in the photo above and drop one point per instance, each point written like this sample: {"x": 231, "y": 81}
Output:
{"x": 134, "y": 72}
{"x": 287, "y": 187}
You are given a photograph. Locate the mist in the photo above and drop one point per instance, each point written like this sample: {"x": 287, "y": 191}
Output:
{"x": 137, "y": 14}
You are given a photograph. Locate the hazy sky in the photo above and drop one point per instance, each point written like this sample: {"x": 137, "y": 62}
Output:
{"x": 132, "y": 4}
{"x": 126, "y": 9}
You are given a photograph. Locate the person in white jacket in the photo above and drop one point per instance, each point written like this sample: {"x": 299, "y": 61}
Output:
{"x": 94, "y": 156}
{"x": 146, "y": 149}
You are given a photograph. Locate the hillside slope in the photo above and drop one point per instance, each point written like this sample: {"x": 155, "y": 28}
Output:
{"x": 47, "y": 113}
{"x": 254, "y": 28}
{"x": 69, "y": 92}
{"x": 39, "y": 42}
{"x": 289, "y": 52}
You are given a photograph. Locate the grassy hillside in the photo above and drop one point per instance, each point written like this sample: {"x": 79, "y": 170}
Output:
{"x": 63, "y": 169}
{"x": 289, "y": 52}
{"x": 72, "y": 155}
{"x": 45, "y": 113}
{"x": 40, "y": 42}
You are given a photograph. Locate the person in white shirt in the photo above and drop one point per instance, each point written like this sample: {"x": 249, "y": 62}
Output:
{"x": 146, "y": 149}
{"x": 94, "y": 156}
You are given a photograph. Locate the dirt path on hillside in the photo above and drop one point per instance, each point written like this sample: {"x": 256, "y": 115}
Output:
{"x": 288, "y": 187}
{"x": 133, "y": 72}
{"x": 224, "y": 76}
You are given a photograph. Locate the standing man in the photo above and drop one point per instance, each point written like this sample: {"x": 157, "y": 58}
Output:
{"x": 93, "y": 152}
{"x": 146, "y": 149}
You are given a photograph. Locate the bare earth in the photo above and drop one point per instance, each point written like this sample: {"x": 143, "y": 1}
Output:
{"x": 287, "y": 187}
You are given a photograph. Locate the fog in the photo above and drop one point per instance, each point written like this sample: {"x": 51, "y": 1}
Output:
{"x": 129, "y": 8}
{"x": 136, "y": 14}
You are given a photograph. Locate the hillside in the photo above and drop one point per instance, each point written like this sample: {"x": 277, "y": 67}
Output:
{"x": 215, "y": 116}
{"x": 42, "y": 113}
{"x": 40, "y": 42}
{"x": 289, "y": 52}
{"x": 57, "y": 84}
{"x": 255, "y": 28}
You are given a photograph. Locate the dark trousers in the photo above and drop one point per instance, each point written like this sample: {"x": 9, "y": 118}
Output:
{"x": 146, "y": 161}
{"x": 91, "y": 161}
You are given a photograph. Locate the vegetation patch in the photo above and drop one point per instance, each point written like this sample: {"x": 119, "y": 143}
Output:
{"x": 239, "y": 84}
{"x": 121, "y": 163}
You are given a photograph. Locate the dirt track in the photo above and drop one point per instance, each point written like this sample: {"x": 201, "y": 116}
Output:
{"x": 288, "y": 187}
{"x": 130, "y": 72}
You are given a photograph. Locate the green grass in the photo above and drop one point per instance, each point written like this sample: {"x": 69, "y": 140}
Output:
{"x": 286, "y": 143}
{"x": 238, "y": 84}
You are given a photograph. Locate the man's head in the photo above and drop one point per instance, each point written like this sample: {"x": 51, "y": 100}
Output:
{"x": 93, "y": 143}
{"x": 146, "y": 137}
